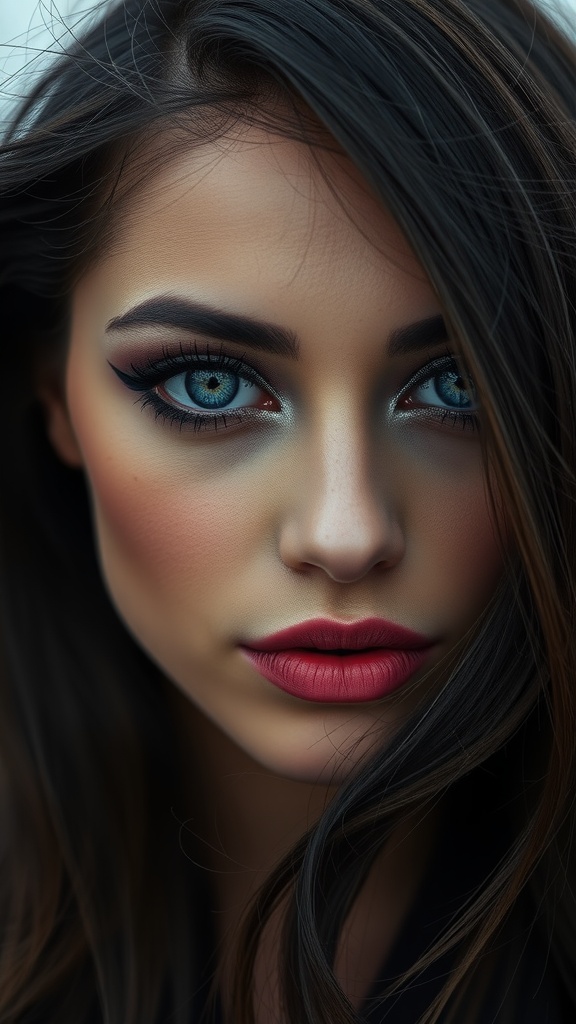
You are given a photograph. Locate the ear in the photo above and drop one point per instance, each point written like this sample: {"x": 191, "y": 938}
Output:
{"x": 58, "y": 425}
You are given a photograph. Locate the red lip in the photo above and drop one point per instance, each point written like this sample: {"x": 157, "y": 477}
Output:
{"x": 377, "y": 657}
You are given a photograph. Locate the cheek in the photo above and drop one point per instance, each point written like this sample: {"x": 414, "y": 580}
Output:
{"x": 468, "y": 542}
{"x": 171, "y": 532}
{"x": 168, "y": 535}
{"x": 459, "y": 554}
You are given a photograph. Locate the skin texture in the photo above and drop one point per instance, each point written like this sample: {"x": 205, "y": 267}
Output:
{"x": 337, "y": 502}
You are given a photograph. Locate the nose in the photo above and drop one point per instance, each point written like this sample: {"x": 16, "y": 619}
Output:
{"x": 340, "y": 515}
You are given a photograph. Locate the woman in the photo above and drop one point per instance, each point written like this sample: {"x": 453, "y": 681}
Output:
{"x": 288, "y": 518}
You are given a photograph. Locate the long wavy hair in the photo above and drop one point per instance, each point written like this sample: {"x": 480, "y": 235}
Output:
{"x": 460, "y": 115}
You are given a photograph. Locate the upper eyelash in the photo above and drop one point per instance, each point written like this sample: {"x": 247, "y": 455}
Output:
{"x": 427, "y": 370}
{"x": 153, "y": 371}
{"x": 464, "y": 416}
{"x": 147, "y": 376}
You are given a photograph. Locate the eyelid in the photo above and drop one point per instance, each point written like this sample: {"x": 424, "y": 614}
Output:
{"x": 147, "y": 377}
{"x": 426, "y": 371}
{"x": 153, "y": 371}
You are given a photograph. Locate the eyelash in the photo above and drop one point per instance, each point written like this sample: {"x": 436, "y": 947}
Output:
{"x": 148, "y": 376}
{"x": 428, "y": 372}
{"x": 153, "y": 372}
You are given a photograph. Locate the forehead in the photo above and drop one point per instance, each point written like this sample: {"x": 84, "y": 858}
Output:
{"x": 257, "y": 183}
{"x": 255, "y": 218}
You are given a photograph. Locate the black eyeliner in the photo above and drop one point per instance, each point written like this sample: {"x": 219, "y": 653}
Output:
{"x": 155, "y": 371}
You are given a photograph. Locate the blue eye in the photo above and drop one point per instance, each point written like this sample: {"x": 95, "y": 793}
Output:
{"x": 447, "y": 388}
{"x": 444, "y": 393}
{"x": 206, "y": 384}
{"x": 211, "y": 390}
{"x": 215, "y": 390}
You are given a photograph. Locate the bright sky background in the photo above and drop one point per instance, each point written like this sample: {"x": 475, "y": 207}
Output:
{"x": 29, "y": 26}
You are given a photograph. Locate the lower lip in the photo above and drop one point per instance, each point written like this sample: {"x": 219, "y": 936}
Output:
{"x": 338, "y": 679}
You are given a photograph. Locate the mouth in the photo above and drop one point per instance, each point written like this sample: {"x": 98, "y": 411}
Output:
{"x": 341, "y": 652}
{"x": 328, "y": 661}
{"x": 338, "y": 676}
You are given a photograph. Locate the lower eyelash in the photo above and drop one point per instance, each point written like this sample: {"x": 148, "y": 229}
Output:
{"x": 464, "y": 418}
{"x": 154, "y": 372}
{"x": 198, "y": 422}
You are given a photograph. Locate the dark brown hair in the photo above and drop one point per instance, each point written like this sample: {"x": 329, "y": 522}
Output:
{"x": 461, "y": 116}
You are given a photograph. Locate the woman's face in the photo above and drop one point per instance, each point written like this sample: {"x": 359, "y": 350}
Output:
{"x": 317, "y": 484}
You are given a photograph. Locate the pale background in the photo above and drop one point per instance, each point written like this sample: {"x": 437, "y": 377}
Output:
{"x": 30, "y": 27}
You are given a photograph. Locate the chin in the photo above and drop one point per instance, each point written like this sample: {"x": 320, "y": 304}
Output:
{"x": 328, "y": 759}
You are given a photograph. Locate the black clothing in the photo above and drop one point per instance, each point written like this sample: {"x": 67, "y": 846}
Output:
{"x": 456, "y": 868}
{"x": 468, "y": 843}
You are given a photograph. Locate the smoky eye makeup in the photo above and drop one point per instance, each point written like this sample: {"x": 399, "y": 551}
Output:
{"x": 442, "y": 391}
{"x": 205, "y": 388}
{"x": 200, "y": 387}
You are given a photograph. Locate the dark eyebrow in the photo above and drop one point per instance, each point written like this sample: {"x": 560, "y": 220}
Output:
{"x": 167, "y": 311}
{"x": 416, "y": 336}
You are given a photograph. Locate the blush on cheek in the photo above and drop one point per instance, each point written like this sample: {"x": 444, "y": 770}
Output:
{"x": 173, "y": 541}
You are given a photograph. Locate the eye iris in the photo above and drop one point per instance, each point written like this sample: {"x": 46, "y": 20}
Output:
{"x": 451, "y": 388}
{"x": 211, "y": 388}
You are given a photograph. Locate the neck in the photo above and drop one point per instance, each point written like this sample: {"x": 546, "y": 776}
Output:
{"x": 249, "y": 818}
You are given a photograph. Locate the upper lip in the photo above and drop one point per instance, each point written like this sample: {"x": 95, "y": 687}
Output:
{"x": 330, "y": 635}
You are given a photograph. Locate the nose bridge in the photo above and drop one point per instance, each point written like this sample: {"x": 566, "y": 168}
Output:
{"x": 339, "y": 483}
{"x": 342, "y": 519}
